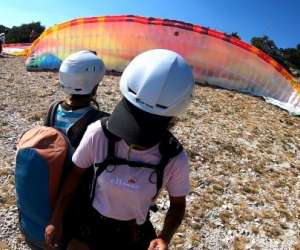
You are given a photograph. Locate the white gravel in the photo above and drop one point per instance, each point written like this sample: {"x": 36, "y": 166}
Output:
{"x": 244, "y": 154}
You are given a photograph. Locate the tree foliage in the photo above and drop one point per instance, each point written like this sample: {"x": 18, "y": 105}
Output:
{"x": 236, "y": 35}
{"x": 292, "y": 55}
{"x": 289, "y": 57}
{"x": 269, "y": 47}
{"x": 21, "y": 34}
{"x": 3, "y": 29}
{"x": 265, "y": 43}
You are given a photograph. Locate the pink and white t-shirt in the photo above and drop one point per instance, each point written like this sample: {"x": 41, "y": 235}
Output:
{"x": 123, "y": 192}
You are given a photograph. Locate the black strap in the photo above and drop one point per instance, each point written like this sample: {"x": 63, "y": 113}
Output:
{"x": 49, "y": 120}
{"x": 169, "y": 147}
{"x": 76, "y": 132}
{"x": 100, "y": 167}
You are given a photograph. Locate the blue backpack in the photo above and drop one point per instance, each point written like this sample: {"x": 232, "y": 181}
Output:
{"x": 44, "y": 158}
{"x": 44, "y": 155}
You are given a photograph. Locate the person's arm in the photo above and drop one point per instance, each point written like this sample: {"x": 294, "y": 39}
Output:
{"x": 172, "y": 221}
{"x": 54, "y": 229}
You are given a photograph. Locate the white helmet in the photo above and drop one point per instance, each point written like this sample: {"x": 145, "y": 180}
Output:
{"x": 158, "y": 81}
{"x": 80, "y": 72}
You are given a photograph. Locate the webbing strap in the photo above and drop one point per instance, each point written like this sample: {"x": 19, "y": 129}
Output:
{"x": 159, "y": 176}
{"x": 120, "y": 161}
{"x": 100, "y": 167}
{"x": 77, "y": 130}
{"x": 169, "y": 148}
{"x": 49, "y": 121}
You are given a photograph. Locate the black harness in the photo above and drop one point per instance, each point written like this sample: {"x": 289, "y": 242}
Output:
{"x": 169, "y": 147}
{"x": 75, "y": 133}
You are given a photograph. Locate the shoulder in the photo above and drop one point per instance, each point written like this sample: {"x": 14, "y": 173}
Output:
{"x": 177, "y": 175}
{"x": 93, "y": 137}
{"x": 95, "y": 132}
{"x": 95, "y": 128}
{"x": 178, "y": 164}
{"x": 181, "y": 159}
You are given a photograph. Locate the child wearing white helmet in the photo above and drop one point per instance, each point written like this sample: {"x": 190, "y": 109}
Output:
{"x": 135, "y": 156}
{"x": 79, "y": 76}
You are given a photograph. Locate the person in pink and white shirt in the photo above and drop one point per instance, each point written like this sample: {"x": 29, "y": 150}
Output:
{"x": 156, "y": 87}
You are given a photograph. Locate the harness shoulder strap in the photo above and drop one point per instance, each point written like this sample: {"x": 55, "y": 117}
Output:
{"x": 100, "y": 167}
{"x": 111, "y": 158}
{"x": 49, "y": 120}
{"x": 94, "y": 115}
{"x": 169, "y": 147}
{"x": 76, "y": 132}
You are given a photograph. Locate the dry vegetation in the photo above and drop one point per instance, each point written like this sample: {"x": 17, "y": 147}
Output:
{"x": 244, "y": 153}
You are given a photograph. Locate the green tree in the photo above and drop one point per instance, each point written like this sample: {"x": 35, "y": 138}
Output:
{"x": 269, "y": 47}
{"x": 266, "y": 44}
{"x": 292, "y": 55}
{"x": 21, "y": 34}
{"x": 3, "y": 29}
{"x": 236, "y": 35}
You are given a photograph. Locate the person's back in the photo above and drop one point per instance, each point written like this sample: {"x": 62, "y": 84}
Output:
{"x": 79, "y": 76}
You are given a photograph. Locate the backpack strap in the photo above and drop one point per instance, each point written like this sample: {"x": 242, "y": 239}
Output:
{"x": 100, "y": 167}
{"x": 169, "y": 147}
{"x": 111, "y": 159}
{"x": 49, "y": 120}
{"x": 76, "y": 132}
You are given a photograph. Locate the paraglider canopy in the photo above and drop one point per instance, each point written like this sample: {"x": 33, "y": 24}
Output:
{"x": 216, "y": 58}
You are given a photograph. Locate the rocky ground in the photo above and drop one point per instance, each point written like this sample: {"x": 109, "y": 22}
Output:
{"x": 244, "y": 153}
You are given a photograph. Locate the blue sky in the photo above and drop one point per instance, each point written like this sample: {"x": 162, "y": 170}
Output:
{"x": 279, "y": 19}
